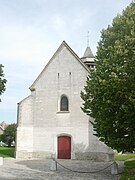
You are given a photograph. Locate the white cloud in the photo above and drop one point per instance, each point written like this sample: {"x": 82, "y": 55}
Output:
{"x": 23, "y": 44}
{"x": 58, "y": 22}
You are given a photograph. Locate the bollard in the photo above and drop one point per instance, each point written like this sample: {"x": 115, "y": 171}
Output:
{"x": 114, "y": 168}
{"x": 1, "y": 160}
{"x": 53, "y": 165}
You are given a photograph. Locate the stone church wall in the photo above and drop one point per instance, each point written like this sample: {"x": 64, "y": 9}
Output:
{"x": 40, "y": 120}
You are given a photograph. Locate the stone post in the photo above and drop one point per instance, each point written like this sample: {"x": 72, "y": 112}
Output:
{"x": 1, "y": 160}
{"x": 114, "y": 168}
{"x": 53, "y": 165}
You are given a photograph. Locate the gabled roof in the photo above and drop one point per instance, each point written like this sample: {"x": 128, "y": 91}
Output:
{"x": 1, "y": 128}
{"x": 4, "y": 125}
{"x": 60, "y": 47}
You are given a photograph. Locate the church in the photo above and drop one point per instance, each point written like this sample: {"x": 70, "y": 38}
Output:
{"x": 50, "y": 120}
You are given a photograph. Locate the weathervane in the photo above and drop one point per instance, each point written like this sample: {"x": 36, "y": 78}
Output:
{"x": 88, "y": 38}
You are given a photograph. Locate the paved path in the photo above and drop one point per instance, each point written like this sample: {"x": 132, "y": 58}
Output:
{"x": 13, "y": 169}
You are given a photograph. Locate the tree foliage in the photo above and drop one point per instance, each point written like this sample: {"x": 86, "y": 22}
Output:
{"x": 9, "y": 134}
{"x": 109, "y": 94}
{"x": 2, "y": 80}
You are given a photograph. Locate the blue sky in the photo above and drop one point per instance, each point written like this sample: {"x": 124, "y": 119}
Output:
{"x": 32, "y": 30}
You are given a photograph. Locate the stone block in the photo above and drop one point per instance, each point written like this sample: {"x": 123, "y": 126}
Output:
{"x": 1, "y": 160}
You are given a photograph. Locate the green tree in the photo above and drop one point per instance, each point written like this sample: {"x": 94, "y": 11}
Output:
{"x": 9, "y": 134}
{"x": 109, "y": 94}
{"x": 2, "y": 80}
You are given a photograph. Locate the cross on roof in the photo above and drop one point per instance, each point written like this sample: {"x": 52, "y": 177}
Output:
{"x": 88, "y": 36}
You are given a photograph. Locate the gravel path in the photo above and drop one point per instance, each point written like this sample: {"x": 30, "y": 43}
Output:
{"x": 13, "y": 169}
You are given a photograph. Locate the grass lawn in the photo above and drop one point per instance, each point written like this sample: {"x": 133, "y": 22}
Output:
{"x": 129, "y": 169}
{"x": 7, "y": 151}
{"x": 124, "y": 157}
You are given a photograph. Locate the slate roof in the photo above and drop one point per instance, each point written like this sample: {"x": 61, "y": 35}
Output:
{"x": 88, "y": 53}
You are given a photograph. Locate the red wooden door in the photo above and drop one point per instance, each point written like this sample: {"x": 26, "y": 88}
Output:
{"x": 64, "y": 147}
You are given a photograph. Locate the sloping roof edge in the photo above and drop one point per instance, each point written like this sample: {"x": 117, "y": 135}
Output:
{"x": 1, "y": 127}
{"x": 72, "y": 52}
{"x": 24, "y": 99}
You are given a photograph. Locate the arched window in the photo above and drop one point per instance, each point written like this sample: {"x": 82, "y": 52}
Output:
{"x": 64, "y": 103}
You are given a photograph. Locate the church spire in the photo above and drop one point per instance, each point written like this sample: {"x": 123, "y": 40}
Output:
{"x": 88, "y": 57}
{"x": 88, "y": 53}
